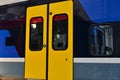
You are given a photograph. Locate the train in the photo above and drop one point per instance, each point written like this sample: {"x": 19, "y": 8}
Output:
{"x": 50, "y": 34}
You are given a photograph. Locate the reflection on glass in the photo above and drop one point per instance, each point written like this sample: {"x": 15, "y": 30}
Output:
{"x": 60, "y": 32}
{"x": 36, "y": 34}
{"x": 101, "y": 40}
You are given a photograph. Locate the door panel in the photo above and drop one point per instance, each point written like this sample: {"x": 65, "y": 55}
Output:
{"x": 35, "y": 58}
{"x": 60, "y": 53}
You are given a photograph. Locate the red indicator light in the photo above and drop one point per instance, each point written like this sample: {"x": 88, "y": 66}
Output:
{"x": 60, "y": 17}
{"x": 36, "y": 20}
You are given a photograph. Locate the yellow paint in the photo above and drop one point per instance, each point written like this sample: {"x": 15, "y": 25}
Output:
{"x": 58, "y": 67}
{"x": 60, "y": 62}
{"x": 35, "y": 61}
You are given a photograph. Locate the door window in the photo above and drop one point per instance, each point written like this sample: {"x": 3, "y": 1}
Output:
{"x": 60, "y": 32}
{"x": 36, "y": 33}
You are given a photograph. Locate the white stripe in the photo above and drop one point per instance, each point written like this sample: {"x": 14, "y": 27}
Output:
{"x": 11, "y": 59}
{"x": 96, "y": 60}
{"x": 5, "y": 2}
{"x": 76, "y": 60}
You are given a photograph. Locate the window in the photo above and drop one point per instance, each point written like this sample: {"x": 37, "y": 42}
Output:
{"x": 60, "y": 32}
{"x": 36, "y": 33}
{"x": 101, "y": 40}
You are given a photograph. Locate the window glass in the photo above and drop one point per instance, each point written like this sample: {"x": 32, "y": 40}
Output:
{"x": 101, "y": 40}
{"x": 36, "y": 33}
{"x": 60, "y": 32}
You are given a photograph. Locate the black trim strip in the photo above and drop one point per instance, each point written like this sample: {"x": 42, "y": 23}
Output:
{"x": 47, "y": 43}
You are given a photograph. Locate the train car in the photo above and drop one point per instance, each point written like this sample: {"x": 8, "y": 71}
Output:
{"x": 67, "y": 39}
{"x": 94, "y": 28}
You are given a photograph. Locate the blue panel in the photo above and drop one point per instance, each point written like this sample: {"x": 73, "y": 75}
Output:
{"x": 114, "y": 9}
{"x": 102, "y": 10}
{"x": 6, "y": 51}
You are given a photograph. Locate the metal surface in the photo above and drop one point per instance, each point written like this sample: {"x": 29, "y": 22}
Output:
{"x": 35, "y": 65}
{"x": 6, "y": 2}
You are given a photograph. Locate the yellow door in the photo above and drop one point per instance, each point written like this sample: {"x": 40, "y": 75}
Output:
{"x": 60, "y": 53}
{"x": 35, "y": 50}
{"x": 49, "y": 41}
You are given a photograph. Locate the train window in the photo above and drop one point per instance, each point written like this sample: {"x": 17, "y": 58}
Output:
{"x": 36, "y": 33}
{"x": 101, "y": 40}
{"x": 60, "y": 32}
